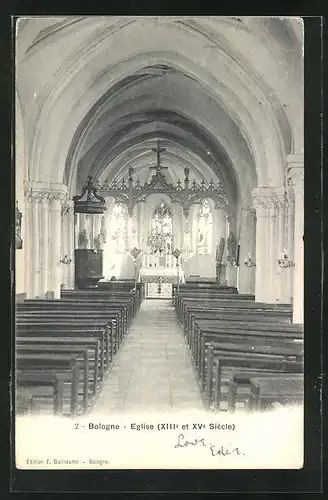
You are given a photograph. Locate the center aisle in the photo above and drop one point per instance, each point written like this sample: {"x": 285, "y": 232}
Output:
{"x": 152, "y": 370}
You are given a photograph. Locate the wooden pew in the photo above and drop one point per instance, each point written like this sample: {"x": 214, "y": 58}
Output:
{"x": 207, "y": 295}
{"x": 31, "y": 380}
{"x": 88, "y": 326}
{"x": 89, "y": 351}
{"x": 237, "y": 333}
{"x": 187, "y": 304}
{"x": 92, "y": 344}
{"x": 267, "y": 333}
{"x": 242, "y": 381}
{"x": 192, "y": 308}
{"x": 130, "y": 300}
{"x": 69, "y": 336}
{"x": 51, "y": 364}
{"x": 265, "y": 390}
{"x": 35, "y": 317}
{"x": 251, "y": 342}
{"x": 76, "y": 333}
{"x": 220, "y": 312}
{"x": 55, "y": 316}
{"x": 84, "y": 364}
{"x": 245, "y": 360}
{"x": 199, "y": 287}
{"x": 123, "y": 285}
{"x": 66, "y": 310}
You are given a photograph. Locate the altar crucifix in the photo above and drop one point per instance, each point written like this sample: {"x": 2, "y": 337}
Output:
{"x": 158, "y": 150}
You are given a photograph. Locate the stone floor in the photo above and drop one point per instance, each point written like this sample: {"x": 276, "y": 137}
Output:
{"x": 152, "y": 370}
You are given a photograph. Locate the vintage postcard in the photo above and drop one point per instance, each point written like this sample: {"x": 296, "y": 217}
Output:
{"x": 159, "y": 166}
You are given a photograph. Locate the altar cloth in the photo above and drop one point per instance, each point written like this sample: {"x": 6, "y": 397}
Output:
{"x": 168, "y": 274}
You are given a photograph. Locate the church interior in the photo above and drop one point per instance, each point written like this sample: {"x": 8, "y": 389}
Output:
{"x": 159, "y": 214}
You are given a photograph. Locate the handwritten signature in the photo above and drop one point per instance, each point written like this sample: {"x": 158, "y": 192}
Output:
{"x": 215, "y": 450}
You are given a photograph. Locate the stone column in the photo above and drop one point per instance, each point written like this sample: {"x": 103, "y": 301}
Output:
{"x": 279, "y": 243}
{"x": 222, "y": 233}
{"x": 295, "y": 178}
{"x": 231, "y": 270}
{"x": 77, "y": 230}
{"x": 270, "y": 282}
{"x": 67, "y": 248}
{"x": 35, "y": 246}
{"x": 247, "y": 246}
{"x": 27, "y": 241}
{"x": 289, "y": 238}
{"x": 262, "y": 200}
{"x": 44, "y": 242}
{"x": 56, "y": 197}
{"x": 71, "y": 244}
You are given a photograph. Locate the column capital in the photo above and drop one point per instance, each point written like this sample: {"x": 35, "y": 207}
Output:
{"x": 280, "y": 198}
{"x": 263, "y": 200}
{"x": 269, "y": 199}
{"x": 37, "y": 191}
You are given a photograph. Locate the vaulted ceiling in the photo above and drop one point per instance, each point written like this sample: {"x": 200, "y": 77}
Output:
{"x": 222, "y": 94}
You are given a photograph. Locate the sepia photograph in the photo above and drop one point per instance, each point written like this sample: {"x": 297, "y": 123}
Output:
{"x": 159, "y": 229}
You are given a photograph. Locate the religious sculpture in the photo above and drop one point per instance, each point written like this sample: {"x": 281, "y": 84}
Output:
{"x": 83, "y": 240}
{"x": 232, "y": 248}
{"x": 219, "y": 251}
{"x": 99, "y": 243}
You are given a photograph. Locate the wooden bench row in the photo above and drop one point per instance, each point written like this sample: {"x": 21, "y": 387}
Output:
{"x": 242, "y": 351}
{"x": 64, "y": 348}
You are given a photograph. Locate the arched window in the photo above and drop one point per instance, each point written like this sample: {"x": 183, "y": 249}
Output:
{"x": 119, "y": 228}
{"x": 160, "y": 236}
{"x": 204, "y": 229}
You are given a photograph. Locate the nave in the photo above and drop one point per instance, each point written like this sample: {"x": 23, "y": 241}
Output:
{"x": 108, "y": 351}
{"x": 166, "y": 167}
{"x": 152, "y": 371}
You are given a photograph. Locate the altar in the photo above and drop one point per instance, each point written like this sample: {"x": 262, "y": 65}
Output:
{"x": 158, "y": 280}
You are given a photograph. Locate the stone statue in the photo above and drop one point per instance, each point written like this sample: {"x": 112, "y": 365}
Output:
{"x": 219, "y": 251}
{"x": 99, "y": 242}
{"x": 232, "y": 247}
{"x": 83, "y": 240}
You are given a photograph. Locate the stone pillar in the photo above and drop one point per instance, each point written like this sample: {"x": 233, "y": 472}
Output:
{"x": 265, "y": 257}
{"x": 247, "y": 246}
{"x": 222, "y": 233}
{"x": 35, "y": 248}
{"x": 295, "y": 178}
{"x": 231, "y": 270}
{"x": 71, "y": 244}
{"x": 27, "y": 241}
{"x": 289, "y": 238}
{"x": 77, "y": 230}
{"x": 279, "y": 243}
{"x": 56, "y": 197}
{"x": 67, "y": 247}
{"x": 44, "y": 242}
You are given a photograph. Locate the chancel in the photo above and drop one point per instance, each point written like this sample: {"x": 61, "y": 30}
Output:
{"x": 159, "y": 181}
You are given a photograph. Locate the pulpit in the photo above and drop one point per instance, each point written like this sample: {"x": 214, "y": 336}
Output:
{"x": 88, "y": 268}
{"x": 89, "y": 238}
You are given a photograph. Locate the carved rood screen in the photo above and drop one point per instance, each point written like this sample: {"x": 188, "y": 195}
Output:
{"x": 131, "y": 192}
